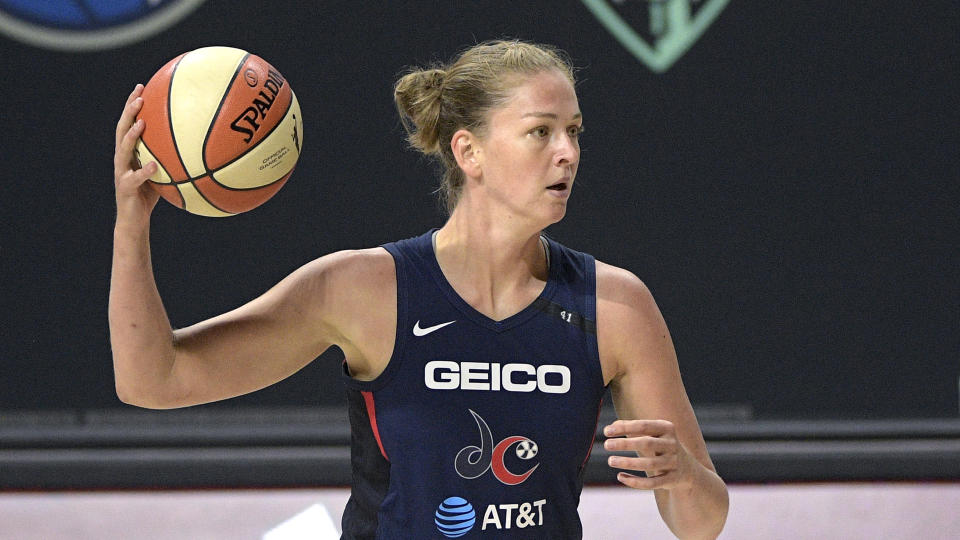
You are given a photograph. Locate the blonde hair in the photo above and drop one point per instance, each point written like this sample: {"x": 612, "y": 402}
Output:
{"x": 437, "y": 101}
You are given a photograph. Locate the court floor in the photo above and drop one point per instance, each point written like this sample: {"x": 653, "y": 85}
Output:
{"x": 779, "y": 511}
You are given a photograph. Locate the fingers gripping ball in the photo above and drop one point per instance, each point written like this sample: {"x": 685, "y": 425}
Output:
{"x": 225, "y": 129}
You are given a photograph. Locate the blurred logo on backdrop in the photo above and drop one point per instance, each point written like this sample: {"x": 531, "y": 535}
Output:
{"x": 86, "y": 25}
{"x": 657, "y": 32}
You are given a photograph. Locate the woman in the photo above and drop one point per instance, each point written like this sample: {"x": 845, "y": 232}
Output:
{"x": 476, "y": 355}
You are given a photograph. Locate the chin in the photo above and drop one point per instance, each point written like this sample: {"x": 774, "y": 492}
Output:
{"x": 557, "y": 214}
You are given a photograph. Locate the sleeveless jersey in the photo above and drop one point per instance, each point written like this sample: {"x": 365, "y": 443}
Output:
{"x": 477, "y": 428}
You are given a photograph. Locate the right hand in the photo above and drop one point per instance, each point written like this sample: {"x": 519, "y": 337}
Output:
{"x": 135, "y": 199}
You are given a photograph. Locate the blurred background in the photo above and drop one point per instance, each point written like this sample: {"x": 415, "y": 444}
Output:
{"x": 782, "y": 176}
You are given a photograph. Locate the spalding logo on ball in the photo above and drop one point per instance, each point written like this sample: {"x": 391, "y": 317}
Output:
{"x": 225, "y": 129}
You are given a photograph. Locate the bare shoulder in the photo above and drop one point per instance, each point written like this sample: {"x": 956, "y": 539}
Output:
{"x": 358, "y": 292}
{"x": 621, "y": 292}
{"x": 348, "y": 284}
{"x": 357, "y": 270}
{"x": 628, "y": 320}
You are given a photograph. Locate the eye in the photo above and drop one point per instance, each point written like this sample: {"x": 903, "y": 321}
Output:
{"x": 575, "y": 131}
{"x": 540, "y": 131}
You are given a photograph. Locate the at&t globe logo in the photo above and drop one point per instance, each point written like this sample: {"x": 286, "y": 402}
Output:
{"x": 84, "y": 25}
{"x": 455, "y": 517}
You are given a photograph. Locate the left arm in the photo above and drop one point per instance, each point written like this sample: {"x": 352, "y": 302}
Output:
{"x": 656, "y": 419}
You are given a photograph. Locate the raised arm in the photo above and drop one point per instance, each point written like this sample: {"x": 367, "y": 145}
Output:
{"x": 140, "y": 333}
{"x": 325, "y": 302}
{"x": 656, "y": 419}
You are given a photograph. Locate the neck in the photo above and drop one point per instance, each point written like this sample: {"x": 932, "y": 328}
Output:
{"x": 496, "y": 266}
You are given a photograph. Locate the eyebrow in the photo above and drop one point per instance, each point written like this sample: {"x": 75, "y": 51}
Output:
{"x": 547, "y": 115}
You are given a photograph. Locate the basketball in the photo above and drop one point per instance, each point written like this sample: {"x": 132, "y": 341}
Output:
{"x": 225, "y": 129}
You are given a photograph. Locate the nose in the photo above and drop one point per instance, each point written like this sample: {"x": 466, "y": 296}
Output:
{"x": 567, "y": 151}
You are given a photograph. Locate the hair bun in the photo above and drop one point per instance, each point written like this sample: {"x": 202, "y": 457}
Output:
{"x": 418, "y": 96}
{"x": 435, "y": 78}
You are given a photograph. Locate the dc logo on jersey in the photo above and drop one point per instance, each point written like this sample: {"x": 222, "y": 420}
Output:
{"x": 473, "y": 461}
{"x": 83, "y": 25}
{"x": 526, "y": 449}
{"x": 455, "y": 517}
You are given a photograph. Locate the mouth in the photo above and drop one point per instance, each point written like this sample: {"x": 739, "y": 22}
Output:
{"x": 559, "y": 186}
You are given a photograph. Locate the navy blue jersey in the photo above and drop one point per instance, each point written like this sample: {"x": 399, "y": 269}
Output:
{"x": 477, "y": 428}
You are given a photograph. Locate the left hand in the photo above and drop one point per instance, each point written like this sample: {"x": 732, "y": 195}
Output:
{"x": 662, "y": 457}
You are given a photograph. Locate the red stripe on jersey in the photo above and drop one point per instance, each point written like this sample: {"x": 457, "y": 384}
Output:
{"x": 590, "y": 448}
{"x": 372, "y": 413}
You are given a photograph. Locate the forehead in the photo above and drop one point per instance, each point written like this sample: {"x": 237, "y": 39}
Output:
{"x": 545, "y": 92}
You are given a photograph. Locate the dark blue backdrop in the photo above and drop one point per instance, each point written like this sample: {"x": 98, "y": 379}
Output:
{"x": 786, "y": 189}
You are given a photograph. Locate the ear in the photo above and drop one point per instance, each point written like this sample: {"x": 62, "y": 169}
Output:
{"x": 467, "y": 152}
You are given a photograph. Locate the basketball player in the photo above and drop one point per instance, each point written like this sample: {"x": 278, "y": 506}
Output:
{"x": 476, "y": 355}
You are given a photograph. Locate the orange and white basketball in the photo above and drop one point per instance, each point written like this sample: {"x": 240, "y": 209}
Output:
{"x": 225, "y": 129}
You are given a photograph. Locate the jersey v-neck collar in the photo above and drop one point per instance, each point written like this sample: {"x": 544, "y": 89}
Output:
{"x": 472, "y": 313}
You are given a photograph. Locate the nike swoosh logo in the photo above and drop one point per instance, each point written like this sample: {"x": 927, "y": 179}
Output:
{"x": 419, "y": 332}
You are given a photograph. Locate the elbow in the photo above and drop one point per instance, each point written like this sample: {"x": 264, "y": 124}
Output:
{"x": 717, "y": 528}
{"x": 143, "y": 381}
{"x": 130, "y": 396}
{"x": 720, "y": 517}
{"x": 722, "y": 522}
{"x": 124, "y": 395}
{"x": 707, "y": 530}
{"x": 126, "y": 392}
{"x": 137, "y": 396}
{"x": 701, "y": 514}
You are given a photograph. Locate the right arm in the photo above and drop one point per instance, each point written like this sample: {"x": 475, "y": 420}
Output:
{"x": 139, "y": 328}
{"x": 251, "y": 347}
{"x": 243, "y": 350}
